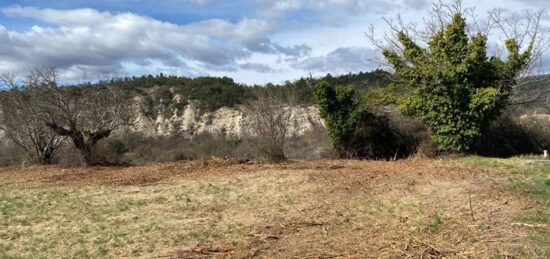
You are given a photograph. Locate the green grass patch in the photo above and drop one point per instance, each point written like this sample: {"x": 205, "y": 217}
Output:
{"x": 142, "y": 221}
{"x": 533, "y": 180}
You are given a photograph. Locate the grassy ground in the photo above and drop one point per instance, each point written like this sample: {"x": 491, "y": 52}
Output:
{"x": 530, "y": 179}
{"x": 471, "y": 207}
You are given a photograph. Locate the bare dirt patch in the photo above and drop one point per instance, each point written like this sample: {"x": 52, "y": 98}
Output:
{"x": 307, "y": 209}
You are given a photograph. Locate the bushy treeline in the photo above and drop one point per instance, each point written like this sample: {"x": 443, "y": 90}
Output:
{"x": 211, "y": 93}
{"x": 360, "y": 82}
{"x": 372, "y": 126}
{"x": 34, "y": 117}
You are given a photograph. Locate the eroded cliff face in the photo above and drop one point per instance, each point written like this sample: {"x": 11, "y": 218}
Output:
{"x": 538, "y": 116}
{"x": 539, "y": 119}
{"x": 190, "y": 121}
{"x": 229, "y": 121}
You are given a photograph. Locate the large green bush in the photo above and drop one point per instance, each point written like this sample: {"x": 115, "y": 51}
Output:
{"x": 354, "y": 130}
{"x": 458, "y": 88}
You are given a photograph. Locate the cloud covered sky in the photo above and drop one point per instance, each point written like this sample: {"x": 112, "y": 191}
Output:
{"x": 253, "y": 41}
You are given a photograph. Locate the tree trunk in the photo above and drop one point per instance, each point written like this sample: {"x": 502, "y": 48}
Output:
{"x": 86, "y": 149}
{"x": 89, "y": 157}
{"x": 85, "y": 146}
{"x": 46, "y": 157}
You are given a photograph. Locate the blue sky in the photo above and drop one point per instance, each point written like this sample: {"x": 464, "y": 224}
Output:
{"x": 175, "y": 11}
{"x": 253, "y": 41}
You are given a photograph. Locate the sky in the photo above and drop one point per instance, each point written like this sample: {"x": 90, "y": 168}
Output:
{"x": 252, "y": 41}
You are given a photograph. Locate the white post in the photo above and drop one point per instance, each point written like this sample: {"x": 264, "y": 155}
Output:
{"x": 545, "y": 154}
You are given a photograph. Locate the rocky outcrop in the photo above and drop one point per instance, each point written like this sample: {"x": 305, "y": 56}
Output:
{"x": 228, "y": 121}
{"x": 540, "y": 117}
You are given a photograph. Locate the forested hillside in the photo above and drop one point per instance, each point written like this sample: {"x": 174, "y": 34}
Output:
{"x": 178, "y": 109}
{"x": 212, "y": 93}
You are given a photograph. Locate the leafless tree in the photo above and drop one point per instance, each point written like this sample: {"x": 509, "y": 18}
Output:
{"x": 271, "y": 119}
{"x": 85, "y": 113}
{"x": 24, "y": 124}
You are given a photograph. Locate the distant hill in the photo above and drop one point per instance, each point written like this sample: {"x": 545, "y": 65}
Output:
{"x": 170, "y": 105}
{"x": 212, "y": 93}
{"x": 180, "y": 105}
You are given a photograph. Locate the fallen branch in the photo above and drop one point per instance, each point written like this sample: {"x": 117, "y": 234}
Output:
{"x": 471, "y": 209}
{"x": 545, "y": 226}
{"x": 307, "y": 224}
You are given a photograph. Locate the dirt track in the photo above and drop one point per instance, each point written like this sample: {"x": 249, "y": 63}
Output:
{"x": 326, "y": 209}
{"x": 366, "y": 171}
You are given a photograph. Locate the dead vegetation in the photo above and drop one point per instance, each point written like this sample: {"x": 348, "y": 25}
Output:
{"x": 226, "y": 208}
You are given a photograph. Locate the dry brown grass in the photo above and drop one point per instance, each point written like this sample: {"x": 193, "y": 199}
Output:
{"x": 309, "y": 209}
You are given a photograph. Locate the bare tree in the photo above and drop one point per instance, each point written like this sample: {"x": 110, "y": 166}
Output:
{"x": 85, "y": 113}
{"x": 272, "y": 117}
{"x": 24, "y": 124}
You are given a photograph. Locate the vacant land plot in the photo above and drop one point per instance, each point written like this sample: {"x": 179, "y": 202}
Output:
{"x": 470, "y": 207}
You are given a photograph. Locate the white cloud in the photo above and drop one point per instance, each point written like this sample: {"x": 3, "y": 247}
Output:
{"x": 60, "y": 17}
{"x": 89, "y": 38}
{"x": 341, "y": 7}
{"x": 342, "y": 60}
{"x": 257, "y": 67}
{"x": 539, "y": 3}
{"x": 270, "y": 7}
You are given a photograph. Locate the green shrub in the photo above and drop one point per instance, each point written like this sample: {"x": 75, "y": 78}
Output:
{"x": 117, "y": 149}
{"x": 355, "y": 132}
{"x": 458, "y": 89}
{"x": 390, "y": 94}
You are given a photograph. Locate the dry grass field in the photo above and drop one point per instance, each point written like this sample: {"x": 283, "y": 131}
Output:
{"x": 450, "y": 208}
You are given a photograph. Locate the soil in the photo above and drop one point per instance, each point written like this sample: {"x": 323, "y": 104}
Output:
{"x": 402, "y": 209}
